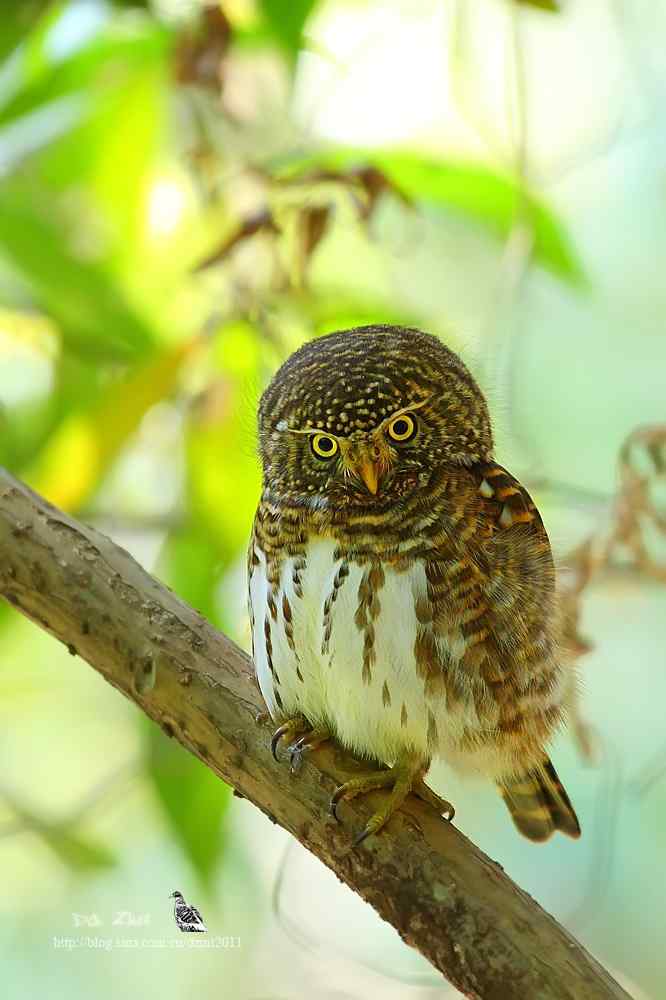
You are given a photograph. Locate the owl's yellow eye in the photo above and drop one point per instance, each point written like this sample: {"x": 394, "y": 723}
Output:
{"x": 402, "y": 428}
{"x": 323, "y": 445}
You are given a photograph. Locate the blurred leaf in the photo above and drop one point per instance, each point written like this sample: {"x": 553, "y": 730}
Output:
{"x": 77, "y": 384}
{"x": 16, "y": 22}
{"x": 495, "y": 200}
{"x": 192, "y": 563}
{"x": 84, "y": 446}
{"x": 104, "y": 164}
{"x": 23, "y": 430}
{"x": 286, "y": 21}
{"x": 340, "y": 309}
{"x": 261, "y": 221}
{"x": 26, "y": 359}
{"x": 194, "y": 802}
{"x": 78, "y": 853}
{"x": 223, "y": 477}
{"x": 222, "y": 467}
{"x": 130, "y": 132}
{"x": 72, "y": 288}
{"x": 104, "y": 62}
{"x": 110, "y": 169}
{"x": 75, "y": 851}
{"x": 551, "y": 5}
{"x": 202, "y": 48}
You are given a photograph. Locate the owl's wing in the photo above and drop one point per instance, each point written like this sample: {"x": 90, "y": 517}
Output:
{"x": 522, "y": 670}
{"x": 520, "y": 544}
{"x": 506, "y": 502}
{"x": 489, "y": 635}
{"x": 491, "y": 595}
{"x": 514, "y": 575}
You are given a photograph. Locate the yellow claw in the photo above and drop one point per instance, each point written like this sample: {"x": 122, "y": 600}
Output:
{"x": 404, "y": 777}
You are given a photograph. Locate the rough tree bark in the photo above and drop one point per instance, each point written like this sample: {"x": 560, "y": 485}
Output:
{"x": 443, "y": 896}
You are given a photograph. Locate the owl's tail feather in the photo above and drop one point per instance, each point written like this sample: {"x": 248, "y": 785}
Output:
{"x": 539, "y": 804}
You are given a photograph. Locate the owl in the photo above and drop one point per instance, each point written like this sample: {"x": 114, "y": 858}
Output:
{"x": 401, "y": 583}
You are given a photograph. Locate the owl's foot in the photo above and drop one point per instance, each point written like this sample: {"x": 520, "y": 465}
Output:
{"x": 289, "y": 730}
{"x": 305, "y": 744}
{"x": 404, "y": 777}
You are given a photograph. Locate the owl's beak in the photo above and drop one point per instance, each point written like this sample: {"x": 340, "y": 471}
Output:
{"x": 369, "y": 473}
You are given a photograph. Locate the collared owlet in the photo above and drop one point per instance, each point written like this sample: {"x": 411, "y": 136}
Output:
{"x": 401, "y": 583}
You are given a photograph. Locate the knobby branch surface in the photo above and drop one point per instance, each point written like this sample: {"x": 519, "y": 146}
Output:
{"x": 442, "y": 895}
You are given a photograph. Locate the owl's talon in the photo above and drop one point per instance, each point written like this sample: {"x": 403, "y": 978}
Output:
{"x": 275, "y": 739}
{"x": 406, "y": 774}
{"x": 290, "y": 729}
{"x": 360, "y": 837}
{"x": 333, "y": 804}
{"x": 306, "y": 744}
{"x": 442, "y": 806}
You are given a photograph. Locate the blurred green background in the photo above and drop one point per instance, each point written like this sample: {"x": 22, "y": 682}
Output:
{"x": 187, "y": 193}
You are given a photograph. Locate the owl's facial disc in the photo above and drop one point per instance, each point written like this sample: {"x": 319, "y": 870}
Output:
{"x": 371, "y": 458}
{"x": 363, "y": 458}
{"x": 364, "y": 418}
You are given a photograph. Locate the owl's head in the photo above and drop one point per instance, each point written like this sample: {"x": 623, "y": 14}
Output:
{"x": 366, "y": 416}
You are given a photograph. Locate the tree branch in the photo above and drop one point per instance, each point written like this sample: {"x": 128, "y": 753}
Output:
{"x": 443, "y": 896}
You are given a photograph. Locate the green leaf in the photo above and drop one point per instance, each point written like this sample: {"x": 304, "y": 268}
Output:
{"x": 223, "y": 477}
{"x": 340, "y": 309}
{"x": 191, "y": 563}
{"x": 193, "y": 799}
{"x": 286, "y": 21}
{"x": 100, "y": 64}
{"x": 494, "y": 200}
{"x": 223, "y": 473}
{"x": 16, "y": 22}
{"x": 109, "y": 166}
{"x": 76, "y": 852}
{"x": 72, "y": 287}
{"x": 553, "y": 6}
{"x": 87, "y": 441}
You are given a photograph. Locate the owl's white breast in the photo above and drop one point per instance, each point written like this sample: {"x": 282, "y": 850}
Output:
{"x": 378, "y": 711}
